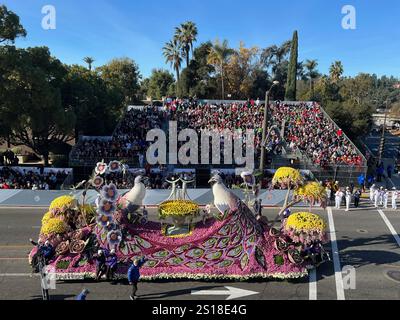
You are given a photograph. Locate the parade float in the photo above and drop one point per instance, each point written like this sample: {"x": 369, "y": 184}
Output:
{"x": 230, "y": 242}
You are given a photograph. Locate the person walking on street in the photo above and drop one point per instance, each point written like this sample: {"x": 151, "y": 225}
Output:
{"x": 82, "y": 295}
{"x": 372, "y": 193}
{"x": 389, "y": 171}
{"x": 134, "y": 275}
{"x": 348, "y": 198}
{"x": 376, "y": 197}
{"x": 338, "y": 198}
{"x": 394, "y": 199}
{"x": 381, "y": 193}
{"x": 385, "y": 198}
{"x": 357, "y": 196}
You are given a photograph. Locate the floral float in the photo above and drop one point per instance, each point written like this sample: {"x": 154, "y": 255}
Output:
{"x": 234, "y": 245}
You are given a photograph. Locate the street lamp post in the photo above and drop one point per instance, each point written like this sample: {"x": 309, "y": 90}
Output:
{"x": 264, "y": 129}
{"x": 382, "y": 143}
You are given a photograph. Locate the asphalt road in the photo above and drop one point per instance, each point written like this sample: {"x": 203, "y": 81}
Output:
{"x": 366, "y": 240}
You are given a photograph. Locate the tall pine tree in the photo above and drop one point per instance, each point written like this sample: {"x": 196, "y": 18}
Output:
{"x": 290, "y": 94}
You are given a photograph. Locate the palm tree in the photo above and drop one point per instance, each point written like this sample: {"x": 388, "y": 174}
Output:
{"x": 186, "y": 34}
{"x": 89, "y": 61}
{"x": 218, "y": 56}
{"x": 311, "y": 66}
{"x": 274, "y": 55}
{"x": 336, "y": 71}
{"x": 172, "y": 54}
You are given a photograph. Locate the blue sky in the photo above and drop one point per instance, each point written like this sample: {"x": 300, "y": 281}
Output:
{"x": 138, "y": 29}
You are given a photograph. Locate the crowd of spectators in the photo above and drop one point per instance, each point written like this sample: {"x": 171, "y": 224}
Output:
{"x": 310, "y": 131}
{"x": 307, "y": 129}
{"x": 128, "y": 140}
{"x": 220, "y": 117}
{"x": 11, "y": 178}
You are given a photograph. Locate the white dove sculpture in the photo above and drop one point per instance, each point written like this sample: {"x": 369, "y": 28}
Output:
{"x": 136, "y": 195}
{"x": 224, "y": 199}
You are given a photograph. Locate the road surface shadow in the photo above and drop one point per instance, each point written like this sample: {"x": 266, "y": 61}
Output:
{"x": 358, "y": 258}
{"x": 55, "y": 297}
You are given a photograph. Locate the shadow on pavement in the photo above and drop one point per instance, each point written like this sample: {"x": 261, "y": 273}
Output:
{"x": 55, "y": 297}
{"x": 358, "y": 258}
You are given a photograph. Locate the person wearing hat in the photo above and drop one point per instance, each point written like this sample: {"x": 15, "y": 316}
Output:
{"x": 338, "y": 198}
{"x": 372, "y": 193}
{"x": 357, "y": 196}
{"x": 348, "y": 198}
{"x": 376, "y": 197}
{"x": 381, "y": 193}
{"x": 82, "y": 295}
{"x": 101, "y": 268}
{"x": 385, "y": 198}
{"x": 394, "y": 199}
{"x": 134, "y": 275}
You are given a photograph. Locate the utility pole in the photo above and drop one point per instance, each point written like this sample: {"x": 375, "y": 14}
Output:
{"x": 264, "y": 129}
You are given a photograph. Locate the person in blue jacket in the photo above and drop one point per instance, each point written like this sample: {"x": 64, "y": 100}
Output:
{"x": 134, "y": 275}
{"x": 82, "y": 295}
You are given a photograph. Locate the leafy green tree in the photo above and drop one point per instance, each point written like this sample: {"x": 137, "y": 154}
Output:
{"x": 96, "y": 105}
{"x": 31, "y": 94}
{"x": 159, "y": 83}
{"x": 122, "y": 74}
{"x": 10, "y": 27}
{"x": 336, "y": 71}
{"x": 292, "y": 72}
{"x": 218, "y": 57}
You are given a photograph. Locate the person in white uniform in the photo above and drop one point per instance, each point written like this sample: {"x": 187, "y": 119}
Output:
{"x": 385, "y": 198}
{"x": 376, "y": 197}
{"x": 348, "y": 199}
{"x": 394, "y": 199}
{"x": 338, "y": 198}
{"x": 381, "y": 193}
{"x": 372, "y": 193}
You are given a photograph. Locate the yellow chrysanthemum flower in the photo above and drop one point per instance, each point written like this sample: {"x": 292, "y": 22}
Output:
{"x": 60, "y": 204}
{"x": 178, "y": 208}
{"x": 47, "y": 216}
{"x": 305, "y": 221}
{"x": 286, "y": 174}
{"x": 311, "y": 190}
{"x": 53, "y": 225}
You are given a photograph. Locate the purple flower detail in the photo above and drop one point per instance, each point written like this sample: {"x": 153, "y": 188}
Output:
{"x": 114, "y": 237}
{"x": 114, "y": 166}
{"x": 106, "y": 207}
{"x": 109, "y": 193}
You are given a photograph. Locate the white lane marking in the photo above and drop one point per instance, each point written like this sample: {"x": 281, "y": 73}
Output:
{"x": 336, "y": 260}
{"x": 231, "y": 292}
{"x": 313, "y": 284}
{"x": 390, "y": 226}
